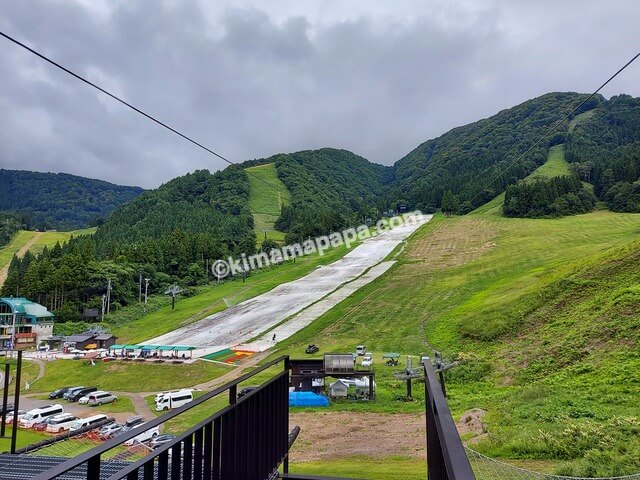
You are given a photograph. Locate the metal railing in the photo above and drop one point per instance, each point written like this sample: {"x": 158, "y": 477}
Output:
{"x": 246, "y": 440}
{"x": 446, "y": 457}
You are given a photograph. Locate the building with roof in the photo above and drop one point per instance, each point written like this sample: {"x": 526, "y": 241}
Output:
{"x": 29, "y": 321}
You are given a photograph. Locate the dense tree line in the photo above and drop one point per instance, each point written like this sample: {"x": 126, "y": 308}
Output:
{"x": 169, "y": 235}
{"x": 548, "y": 197}
{"x": 469, "y": 161}
{"x": 10, "y": 223}
{"x": 330, "y": 189}
{"x": 604, "y": 149}
{"x": 59, "y": 200}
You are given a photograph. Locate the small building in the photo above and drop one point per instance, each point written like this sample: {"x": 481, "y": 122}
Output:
{"x": 79, "y": 341}
{"x": 91, "y": 314}
{"x": 339, "y": 389}
{"x": 338, "y": 363}
{"x": 105, "y": 340}
{"x": 33, "y": 323}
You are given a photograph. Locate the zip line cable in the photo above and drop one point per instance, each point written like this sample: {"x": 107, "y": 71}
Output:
{"x": 132, "y": 107}
{"x": 555, "y": 127}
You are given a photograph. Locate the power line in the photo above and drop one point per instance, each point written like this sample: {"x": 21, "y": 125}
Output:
{"x": 555, "y": 127}
{"x": 132, "y": 107}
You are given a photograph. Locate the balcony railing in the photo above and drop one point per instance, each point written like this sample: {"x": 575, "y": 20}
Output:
{"x": 446, "y": 457}
{"x": 247, "y": 438}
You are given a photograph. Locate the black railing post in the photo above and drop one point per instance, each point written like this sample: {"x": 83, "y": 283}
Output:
{"x": 446, "y": 457}
{"x": 16, "y": 404}
{"x": 5, "y": 397}
{"x": 93, "y": 468}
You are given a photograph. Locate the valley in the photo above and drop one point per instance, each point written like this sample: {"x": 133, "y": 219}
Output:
{"x": 538, "y": 310}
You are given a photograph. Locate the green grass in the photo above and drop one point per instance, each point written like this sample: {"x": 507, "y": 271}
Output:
{"x": 49, "y": 239}
{"x": 126, "y": 376}
{"x": 268, "y": 196}
{"x": 122, "y": 405}
{"x": 216, "y": 298}
{"x": 555, "y": 166}
{"x": 380, "y": 468}
{"x": 8, "y": 251}
{"x": 490, "y": 290}
{"x": 25, "y": 437}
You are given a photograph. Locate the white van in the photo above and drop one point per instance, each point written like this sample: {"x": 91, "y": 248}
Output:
{"x": 61, "y": 422}
{"x": 173, "y": 400}
{"x": 38, "y": 414}
{"x": 85, "y": 422}
{"x": 145, "y": 436}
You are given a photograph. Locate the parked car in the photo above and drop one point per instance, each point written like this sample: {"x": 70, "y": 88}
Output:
{"x": 145, "y": 436}
{"x": 99, "y": 397}
{"x": 160, "y": 440}
{"x": 8, "y": 408}
{"x": 60, "y": 423}
{"x": 367, "y": 360}
{"x": 38, "y": 414}
{"x": 132, "y": 422}
{"x": 9, "y": 418}
{"x": 41, "y": 426}
{"x": 246, "y": 391}
{"x": 110, "y": 430}
{"x": 174, "y": 400}
{"x": 312, "y": 348}
{"x": 71, "y": 391}
{"x": 81, "y": 393}
{"x": 361, "y": 350}
{"x": 85, "y": 422}
{"x": 58, "y": 393}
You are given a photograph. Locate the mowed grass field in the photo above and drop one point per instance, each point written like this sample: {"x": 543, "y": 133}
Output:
{"x": 268, "y": 196}
{"x": 119, "y": 376}
{"x": 555, "y": 166}
{"x": 464, "y": 286}
{"x": 35, "y": 243}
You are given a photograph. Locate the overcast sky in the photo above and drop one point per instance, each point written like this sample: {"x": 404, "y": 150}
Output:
{"x": 253, "y": 78}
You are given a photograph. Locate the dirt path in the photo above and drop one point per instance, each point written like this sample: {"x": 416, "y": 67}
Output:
{"x": 326, "y": 435}
{"x": 20, "y": 253}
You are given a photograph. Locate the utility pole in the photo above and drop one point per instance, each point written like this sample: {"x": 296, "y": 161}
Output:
{"x": 146, "y": 290}
{"x": 108, "y": 296}
{"x": 104, "y": 301}
{"x": 13, "y": 330}
{"x": 140, "y": 289}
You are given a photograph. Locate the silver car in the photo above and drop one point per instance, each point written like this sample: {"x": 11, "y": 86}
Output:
{"x": 98, "y": 398}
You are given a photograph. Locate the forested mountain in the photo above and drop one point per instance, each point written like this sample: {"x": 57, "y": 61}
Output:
{"x": 167, "y": 235}
{"x": 60, "y": 200}
{"x": 329, "y": 190}
{"x": 469, "y": 160}
{"x": 170, "y": 233}
{"x": 604, "y": 149}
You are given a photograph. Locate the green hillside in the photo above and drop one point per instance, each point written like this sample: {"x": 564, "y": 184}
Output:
{"x": 60, "y": 200}
{"x": 268, "y": 196}
{"x": 471, "y": 161}
{"x": 543, "y": 315}
{"x": 330, "y": 189}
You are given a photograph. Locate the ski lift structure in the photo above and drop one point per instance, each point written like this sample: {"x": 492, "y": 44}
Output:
{"x": 173, "y": 290}
{"x": 409, "y": 373}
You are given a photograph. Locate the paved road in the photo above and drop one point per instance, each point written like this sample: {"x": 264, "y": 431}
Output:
{"x": 251, "y": 318}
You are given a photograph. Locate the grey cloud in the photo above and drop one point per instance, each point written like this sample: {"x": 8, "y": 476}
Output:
{"x": 273, "y": 77}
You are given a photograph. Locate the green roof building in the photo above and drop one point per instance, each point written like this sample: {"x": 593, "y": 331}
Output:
{"x": 33, "y": 323}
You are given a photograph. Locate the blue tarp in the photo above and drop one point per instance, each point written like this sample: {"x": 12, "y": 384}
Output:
{"x": 307, "y": 399}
